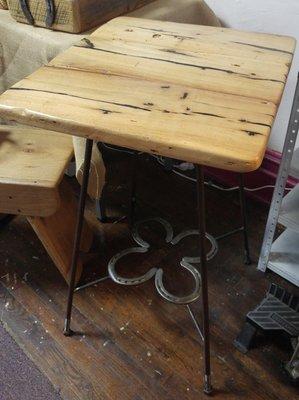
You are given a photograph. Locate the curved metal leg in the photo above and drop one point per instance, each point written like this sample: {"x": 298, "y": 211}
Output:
{"x": 247, "y": 259}
{"x": 78, "y": 232}
{"x": 204, "y": 278}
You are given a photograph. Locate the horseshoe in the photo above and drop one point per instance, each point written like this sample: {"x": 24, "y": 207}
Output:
{"x": 186, "y": 263}
{"x": 145, "y": 246}
{"x": 191, "y": 232}
{"x": 50, "y": 15}
{"x": 129, "y": 281}
{"x": 138, "y": 239}
{"x": 27, "y": 12}
{"x": 179, "y": 299}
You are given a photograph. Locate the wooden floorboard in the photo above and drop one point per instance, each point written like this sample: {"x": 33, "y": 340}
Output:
{"x": 131, "y": 344}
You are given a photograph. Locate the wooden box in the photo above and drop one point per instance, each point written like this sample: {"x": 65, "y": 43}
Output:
{"x": 3, "y": 5}
{"x": 73, "y": 16}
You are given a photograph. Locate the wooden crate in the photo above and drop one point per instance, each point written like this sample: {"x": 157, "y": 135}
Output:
{"x": 3, "y": 5}
{"x": 75, "y": 16}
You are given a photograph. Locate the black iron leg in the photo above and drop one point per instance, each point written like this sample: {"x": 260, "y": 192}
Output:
{"x": 247, "y": 259}
{"x": 5, "y": 220}
{"x": 204, "y": 278}
{"x": 101, "y": 208}
{"x": 133, "y": 189}
{"x": 78, "y": 232}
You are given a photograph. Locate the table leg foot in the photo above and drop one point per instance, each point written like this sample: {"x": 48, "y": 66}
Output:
{"x": 208, "y": 390}
{"x": 67, "y": 330}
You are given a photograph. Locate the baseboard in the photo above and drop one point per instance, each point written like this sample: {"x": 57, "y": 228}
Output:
{"x": 265, "y": 175}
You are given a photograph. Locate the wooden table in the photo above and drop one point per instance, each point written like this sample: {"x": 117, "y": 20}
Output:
{"x": 201, "y": 94}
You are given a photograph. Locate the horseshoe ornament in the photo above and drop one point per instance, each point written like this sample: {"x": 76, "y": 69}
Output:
{"x": 186, "y": 262}
{"x": 179, "y": 299}
{"x": 50, "y": 14}
{"x": 129, "y": 281}
{"x": 138, "y": 239}
{"x": 26, "y": 12}
{"x": 193, "y": 232}
{"x": 144, "y": 247}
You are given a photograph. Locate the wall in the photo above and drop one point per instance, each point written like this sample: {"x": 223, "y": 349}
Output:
{"x": 270, "y": 16}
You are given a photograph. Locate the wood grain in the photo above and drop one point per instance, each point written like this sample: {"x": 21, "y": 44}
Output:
{"x": 57, "y": 231}
{"x": 202, "y": 94}
{"x": 32, "y": 164}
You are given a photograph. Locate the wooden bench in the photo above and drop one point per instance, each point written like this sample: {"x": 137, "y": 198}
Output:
{"x": 32, "y": 165}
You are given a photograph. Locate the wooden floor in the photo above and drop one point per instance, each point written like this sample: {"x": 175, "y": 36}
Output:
{"x": 133, "y": 345}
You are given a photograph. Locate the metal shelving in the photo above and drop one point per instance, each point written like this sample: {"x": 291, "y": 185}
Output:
{"x": 282, "y": 255}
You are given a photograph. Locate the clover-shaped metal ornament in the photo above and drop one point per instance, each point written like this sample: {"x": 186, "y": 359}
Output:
{"x": 186, "y": 262}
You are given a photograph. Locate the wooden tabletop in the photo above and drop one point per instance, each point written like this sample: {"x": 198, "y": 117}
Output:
{"x": 201, "y": 94}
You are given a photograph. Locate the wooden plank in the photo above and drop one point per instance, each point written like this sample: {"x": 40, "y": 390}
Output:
{"x": 57, "y": 231}
{"x": 163, "y": 88}
{"x": 32, "y": 163}
{"x": 3, "y": 5}
{"x": 75, "y": 16}
{"x": 221, "y": 42}
{"x": 49, "y": 358}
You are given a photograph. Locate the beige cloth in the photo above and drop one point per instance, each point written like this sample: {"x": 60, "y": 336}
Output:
{"x": 24, "y": 48}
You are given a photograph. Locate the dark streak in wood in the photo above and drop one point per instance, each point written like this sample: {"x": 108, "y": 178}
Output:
{"x": 208, "y": 114}
{"x": 104, "y": 111}
{"x": 254, "y": 123}
{"x": 251, "y": 133}
{"x": 84, "y": 98}
{"x": 167, "y": 33}
{"x": 264, "y": 48}
{"x": 185, "y": 95}
{"x": 171, "y": 51}
{"x": 203, "y": 68}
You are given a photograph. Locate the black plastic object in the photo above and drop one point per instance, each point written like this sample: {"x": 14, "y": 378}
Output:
{"x": 277, "y": 313}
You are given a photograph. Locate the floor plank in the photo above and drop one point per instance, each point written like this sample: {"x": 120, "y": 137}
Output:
{"x": 131, "y": 344}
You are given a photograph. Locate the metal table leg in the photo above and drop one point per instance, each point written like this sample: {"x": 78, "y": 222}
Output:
{"x": 134, "y": 166}
{"x": 247, "y": 259}
{"x": 205, "y": 334}
{"x": 78, "y": 233}
{"x": 5, "y": 220}
{"x": 204, "y": 278}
